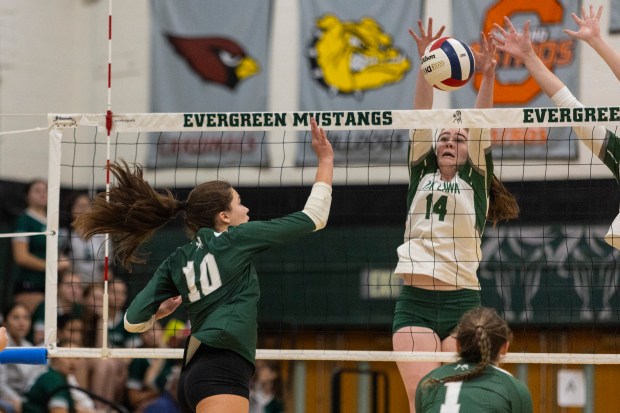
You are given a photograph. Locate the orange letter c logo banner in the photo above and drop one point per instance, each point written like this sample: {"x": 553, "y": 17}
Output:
{"x": 553, "y": 52}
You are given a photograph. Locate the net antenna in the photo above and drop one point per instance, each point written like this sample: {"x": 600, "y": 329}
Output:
{"x": 108, "y": 126}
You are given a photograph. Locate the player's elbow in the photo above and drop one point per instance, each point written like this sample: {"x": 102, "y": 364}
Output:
{"x": 138, "y": 327}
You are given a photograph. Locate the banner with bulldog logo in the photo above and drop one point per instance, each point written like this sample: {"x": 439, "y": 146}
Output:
{"x": 209, "y": 56}
{"x": 514, "y": 87}
{"x": 358, "y": 55}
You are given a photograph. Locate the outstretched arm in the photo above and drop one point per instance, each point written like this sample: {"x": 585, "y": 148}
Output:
{"x": 479, "y": 142}
{"x": 423, "y": 97}
{"x": 485, "y": 60}
{"x": 589, "y": 31}
{"x": 422, "y": 139}
{"x": 319, "y": 202}
{"x": 519, "y": 46}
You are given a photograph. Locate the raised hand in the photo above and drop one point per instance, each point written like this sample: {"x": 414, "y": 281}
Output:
{"x": 518, "y": 45}
{"x": 589, "y": 24}
{"x": 320, "y": 143}
{"x": 324, "y": 153}
{"x": 426, "y": 36}
{"x": 485, "y": 58}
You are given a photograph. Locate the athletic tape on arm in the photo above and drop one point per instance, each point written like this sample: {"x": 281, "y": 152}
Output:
{"x": 318, "y": 204}
{"x": 140, "y": 327}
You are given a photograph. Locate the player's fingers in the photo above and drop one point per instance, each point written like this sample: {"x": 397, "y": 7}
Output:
{"x": 511, "y": 28}
{"x": 483, "y": 41}
{"x": 414, "y": 35}
{"x": 576, "y": 19}
{"x": 440, "y": 32}
{"x": 421, "y": 27}
{"x": 501, "y": 30}
{"x": 570, "y": 33}
{"x": 526, "y": 28}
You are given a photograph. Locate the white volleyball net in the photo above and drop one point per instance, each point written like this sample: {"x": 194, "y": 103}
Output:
{"x": 330, "y": 297}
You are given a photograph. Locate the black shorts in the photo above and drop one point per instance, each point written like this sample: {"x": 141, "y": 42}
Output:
{"x": 210, "y": 372}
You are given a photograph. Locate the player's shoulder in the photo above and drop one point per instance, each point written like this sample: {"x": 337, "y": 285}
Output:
{"x": 507, "y": 377}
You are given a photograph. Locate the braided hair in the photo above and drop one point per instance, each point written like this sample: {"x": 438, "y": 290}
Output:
{"x": 481, "y": 333}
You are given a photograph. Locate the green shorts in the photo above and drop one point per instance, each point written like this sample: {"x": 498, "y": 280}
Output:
{"x": 438, "y": 310}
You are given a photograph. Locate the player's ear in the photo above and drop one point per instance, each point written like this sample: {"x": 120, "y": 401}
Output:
{"x": 224, "y": 217}
{"x": 504, "y": 348}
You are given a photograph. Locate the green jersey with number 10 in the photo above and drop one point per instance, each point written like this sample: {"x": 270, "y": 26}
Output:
{"x": 218, "y": 283}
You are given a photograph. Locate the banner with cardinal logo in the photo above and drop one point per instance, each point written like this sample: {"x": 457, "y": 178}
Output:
{"x": 358, "y": 55}
{"x": 209, "y": 56}
{"x": 514, "y": 87}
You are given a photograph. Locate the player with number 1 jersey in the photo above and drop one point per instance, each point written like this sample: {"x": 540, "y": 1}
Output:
{"x": 496, "y": 390}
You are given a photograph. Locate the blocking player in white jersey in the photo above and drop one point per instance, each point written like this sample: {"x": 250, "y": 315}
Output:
{"x": 474, "y": 383}
{"x": 448, "y": 203}
{"x": 602, "y": 142}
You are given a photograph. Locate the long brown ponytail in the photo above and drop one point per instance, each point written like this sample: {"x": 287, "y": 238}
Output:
{"x": 132, "y": 214}
{"x": 502, "y": 204}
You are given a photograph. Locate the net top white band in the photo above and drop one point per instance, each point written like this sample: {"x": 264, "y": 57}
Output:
{"x": 342, "y": 355}
{"x": 341, "y": 120}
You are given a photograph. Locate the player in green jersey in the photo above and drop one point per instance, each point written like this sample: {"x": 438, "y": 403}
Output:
{"x": 474, "y": 383}
{"x": 213, "y": 275}
{"x": 601, "y": 141}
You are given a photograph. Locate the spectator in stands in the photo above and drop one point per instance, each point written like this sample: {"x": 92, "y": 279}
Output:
{"x": 266, "y": 389}
{"x": 15, "y": 377}
{"x": 70, "y": 330}
{"x": 147, "y": 377}
{"x": 100, "y": 370}
{"x": 51, "y": 391}
{"x": 69, "y": 302}
{"x": 167, "y": 401}
{"x": 85, "y": 256}
{"x": 29, "y": 252}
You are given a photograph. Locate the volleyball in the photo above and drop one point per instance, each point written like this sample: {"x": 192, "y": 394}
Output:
{"x": 447, "y": 64}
